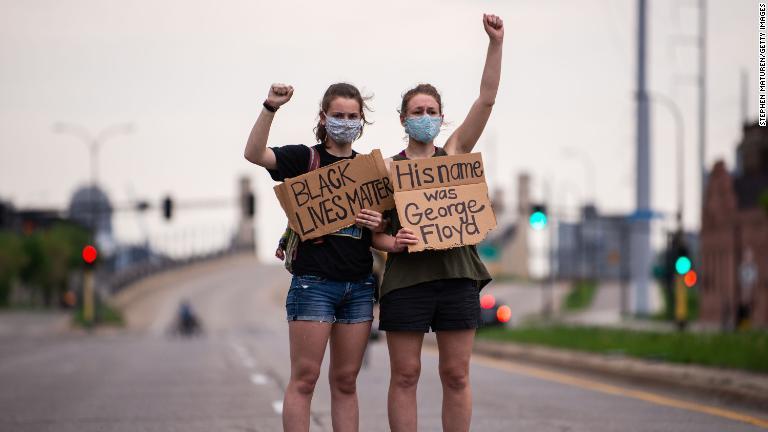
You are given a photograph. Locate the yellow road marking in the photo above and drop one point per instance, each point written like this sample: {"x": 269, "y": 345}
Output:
{"x": 509, "y": 366}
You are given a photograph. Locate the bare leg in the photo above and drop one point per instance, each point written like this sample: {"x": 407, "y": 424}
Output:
{"x": 308, "y": 340}
{"x": 405, "y": 367}
{"x": 348, "y": 342}
{"x": 455, "y": 348}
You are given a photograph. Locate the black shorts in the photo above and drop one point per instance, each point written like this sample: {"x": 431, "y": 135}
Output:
{"x": 445, "y": 304}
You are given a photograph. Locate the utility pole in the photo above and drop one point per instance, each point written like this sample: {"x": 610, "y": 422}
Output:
{"x": 641, "y": 241}
{"x": 703, "y": 94}
{"x": 701, "y": 82}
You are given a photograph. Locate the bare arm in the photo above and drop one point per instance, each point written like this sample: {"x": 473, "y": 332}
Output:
{"x": 388, "y": 164}
{"x": 256, "y": 150}
{"x": 385, "y": 242}
{"x": 465, "y": 137}
{"x": 399, "y": 243}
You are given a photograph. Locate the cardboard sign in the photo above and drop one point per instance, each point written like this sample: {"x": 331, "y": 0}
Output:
{"x": 443, "y": 200}
{"x": 327, "y": 199}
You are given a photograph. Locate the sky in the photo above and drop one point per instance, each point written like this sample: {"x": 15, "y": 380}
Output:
{"x": 191, "y": 77}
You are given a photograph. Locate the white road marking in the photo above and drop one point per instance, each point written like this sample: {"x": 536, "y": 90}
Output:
{"x": 278, "y": 406}
{"x": 236, "y": 346}
{"x": 243, "y": 354}
{"x": 259, "y": 379}
{"x": 256, "y": 378}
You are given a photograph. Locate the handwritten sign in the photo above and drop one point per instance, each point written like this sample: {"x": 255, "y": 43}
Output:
{"x": 443, "y": 200}
{"x": 327, "y": 199}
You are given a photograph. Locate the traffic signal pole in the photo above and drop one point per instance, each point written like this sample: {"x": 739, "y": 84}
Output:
{"x": 540, "y": 219}
{"x": 681, "y": 303}
{"x": 551, "y": 251}
{"x": 88, "y": 297}
{"x": 551, "y": 281}
{"x": 89, "y": 255}
{"x": 683, "y": 278}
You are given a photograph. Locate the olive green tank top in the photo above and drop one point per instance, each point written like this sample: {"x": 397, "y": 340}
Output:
{"x": 405, "y": 269}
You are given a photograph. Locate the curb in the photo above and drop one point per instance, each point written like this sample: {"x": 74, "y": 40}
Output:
{"x": 738, "y": 385}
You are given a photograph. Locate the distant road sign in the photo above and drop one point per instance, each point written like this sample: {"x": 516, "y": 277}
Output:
{"x": 644, "y": 214}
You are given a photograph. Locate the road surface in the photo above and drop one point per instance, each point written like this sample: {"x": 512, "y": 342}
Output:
{"x": 232, "y": 378}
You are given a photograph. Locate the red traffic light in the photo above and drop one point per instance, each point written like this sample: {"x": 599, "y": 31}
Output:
{"x": 89, "y": 254}
{"x": 690, "y": 279}
{"x": 503, "y": 313}
{"x": 487, "y": 301}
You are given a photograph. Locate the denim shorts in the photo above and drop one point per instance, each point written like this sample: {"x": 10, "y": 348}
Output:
{"x": 313, "y": 298}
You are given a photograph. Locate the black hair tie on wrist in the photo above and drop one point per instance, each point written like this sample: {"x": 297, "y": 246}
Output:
{"x": 269, "y": 107}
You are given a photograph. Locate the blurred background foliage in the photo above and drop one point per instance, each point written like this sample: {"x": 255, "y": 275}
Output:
{"x": 39, "y": 262}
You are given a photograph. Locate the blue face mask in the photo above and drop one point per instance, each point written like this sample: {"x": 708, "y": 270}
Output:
{"x": 423, "y": 128}
{"x": 342, "y": 131}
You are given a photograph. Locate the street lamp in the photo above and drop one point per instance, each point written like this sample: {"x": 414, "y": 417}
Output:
{"x": 539, "y": 219}
{"x": 679, "y": 130}
{"x": 93, "y": 142}
{"x": 589, "y": 167}
{"x": 587, "y": 256}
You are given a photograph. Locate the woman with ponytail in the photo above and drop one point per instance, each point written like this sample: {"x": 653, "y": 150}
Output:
{"x": 330, "y": 300}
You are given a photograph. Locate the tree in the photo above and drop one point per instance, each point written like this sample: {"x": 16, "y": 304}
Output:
{"x": 12, "y": 260}
{"x": 52, "y": 254}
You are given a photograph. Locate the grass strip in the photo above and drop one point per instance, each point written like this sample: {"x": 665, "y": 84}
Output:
{"x": 743, "y": 350}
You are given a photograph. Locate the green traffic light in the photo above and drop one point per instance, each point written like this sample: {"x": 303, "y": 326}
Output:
{"x": 538, "y": 220}
{"x": 682, "y": 265}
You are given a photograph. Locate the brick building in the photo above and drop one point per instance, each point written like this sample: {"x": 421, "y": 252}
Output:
{"x": 734, "y": 235}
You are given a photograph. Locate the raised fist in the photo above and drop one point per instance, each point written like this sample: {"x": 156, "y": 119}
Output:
{"x": 494, "y": 26}
{"x": 279, "y": 94}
